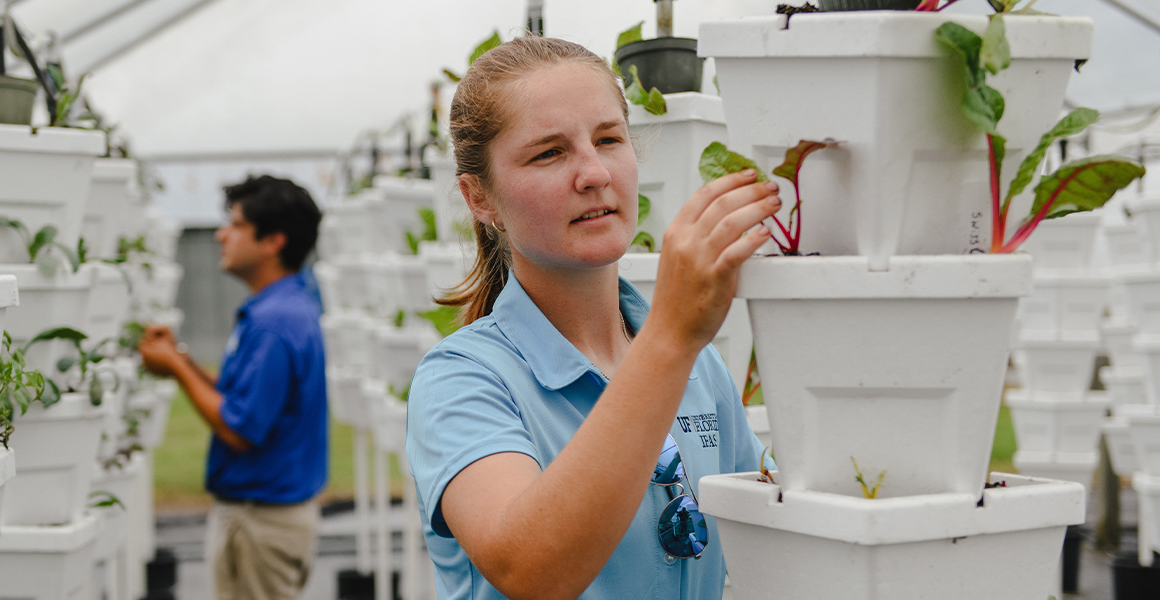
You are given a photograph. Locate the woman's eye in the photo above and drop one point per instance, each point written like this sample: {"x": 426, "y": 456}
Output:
{"x": 546, "y": 154}
{"x": 608, "y": 140}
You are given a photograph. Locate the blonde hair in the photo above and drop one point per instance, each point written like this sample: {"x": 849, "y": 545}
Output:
{"x": 478, "y": 116}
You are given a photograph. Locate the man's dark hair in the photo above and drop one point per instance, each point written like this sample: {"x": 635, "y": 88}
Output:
{"x": 273, "y": 204}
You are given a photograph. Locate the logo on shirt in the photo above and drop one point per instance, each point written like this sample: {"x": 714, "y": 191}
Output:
{"x": 703, "y": 426}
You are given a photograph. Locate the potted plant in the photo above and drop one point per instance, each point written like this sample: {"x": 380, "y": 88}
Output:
{"x": 891, "y": 346}
{"x": 669, "y": 63}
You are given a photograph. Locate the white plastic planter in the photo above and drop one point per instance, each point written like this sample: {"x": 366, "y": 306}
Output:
{"x": 1126, "y": 387}
{"x": 389, "y": 415}
{"x": 1064, "y": 307}
{"x": 344, "y": 395}
{"x": 452, "y": 219}
{"x": 348, "y": 340}
{"x": 1118, "y": 342}
{"x": 1147, "y": 211}
{"x": 58, "y": 301}
{"x": 1049, "y": 431}
{"x": 161, "y": 235}
{"x": 1128, "y": 246}
{"x": 1076, "y": 469}
{"x": 157, "y": 399}
{"x": 328, "y": 276}
{"x": 1064, "y": 245}
{"x": 397, "y": 351}
{"x": 9, "y": 297}
{"x": 49, "y": 563}
{"x": 1144, "y": 298}
{"x": 412, "y": 291}
{"x": 46, "y": 179}
{"x": 1148, "y": 493}
{"x": 734, "y": 341}
{"x": 7, "y": 471}
{"x": 878, "y": 82}
{"x": 113, "y": 547}
{"x": 114, "y": 206}
{"x": 448, "y": 264}
{"x": 1120, "y": 449}
{"x": 109, "y": 305}
{"x": 672, "y": 144}
{"x": 161, "y": 284}
{"x": 1145, "y": 431}
{"x": 902, "y": 370}
{"x": 402, "y": 199}
{"x": 1058, "y": 370}
{"x": 58, "y": 452}
{"x": 758, "y": 419}
{"x": 780, "y": 543}
{"x": 353, "y": 276}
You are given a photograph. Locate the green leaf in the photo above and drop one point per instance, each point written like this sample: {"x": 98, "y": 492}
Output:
{"x": 630, "y": 35}
{"x": 400, "y": 317}
{"x": 96, "y": 391}
{"x": 445, "y": 319}
{"x": 645, "y": 240}
{"x": 981, "y": 104}
{"x": 643, "y": 206}
{"x": 42, "y": 238}
{"x": 57, "y": 333}
{"x": 999, "y": 148}
{"x": 653, "y": 101}
{"x": 47, "y": 264}
{"x": 792, "y": 165}
{"x": 82, "y": 253}
{"x": 451, "y": 76}
{"x": 484, "y": 46}
{"x": 73, "y": 260}
{"x": 51, "y": 393}
{"x": 65, "y": 363}
{"x": 104, "y": 500}
{"x": 656, "y": 102}
{"x": 412, "y": 242}
{"x": 995, "y": 54}
{"x": 719, "y": 161}
{"x": 1074, "y": 123}
{"x": 1084, "y": 184}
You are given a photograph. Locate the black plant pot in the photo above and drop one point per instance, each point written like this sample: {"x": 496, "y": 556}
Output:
{"x": 1131, "y": 581}
{"x": 353, "y": 585}
{"x": 1072, "y": 548}
{"x": 834, "y": 5}
{"x": 669, "y": 64}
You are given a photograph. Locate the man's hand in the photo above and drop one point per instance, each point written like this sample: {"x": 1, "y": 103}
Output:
{"x": 159, "y": 352}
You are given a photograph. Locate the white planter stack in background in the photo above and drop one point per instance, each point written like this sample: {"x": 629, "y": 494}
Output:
{"x": 891, "y": 347}
{"x": 372, "y": 288}
{"x": 671, "y": 145}
{"x": 1057, "y": 419}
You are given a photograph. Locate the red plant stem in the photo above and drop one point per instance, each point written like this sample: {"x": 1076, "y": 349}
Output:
{"x": 1025, "y": 231}
{"x": 749, "y": 395}
{"x": 797, "y": 208}
{"x": 749, "y": 387}
{"x": 949, "y": 2}
{"x": 998, "y": 215}
{"x": 784, "y": 232}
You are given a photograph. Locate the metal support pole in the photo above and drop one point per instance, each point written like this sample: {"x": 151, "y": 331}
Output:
{"x": 664, "y": 18}
{"x": 412, "y": 535}
{"x": 536, "y": 17}
{"x": 362, "y": 536}
{"x": 384, "y": 559}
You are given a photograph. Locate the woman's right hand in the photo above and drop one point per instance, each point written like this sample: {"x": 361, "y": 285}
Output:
{"x": 704, "y": 248}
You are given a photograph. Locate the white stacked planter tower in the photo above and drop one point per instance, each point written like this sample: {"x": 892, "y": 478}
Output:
{"x": 49, "y": 539}
{"x": 1057, "y": 419}
{"x": 1137, "y": 411}
{"x": 891, "y": 347}
{"x": 372, "y": 287}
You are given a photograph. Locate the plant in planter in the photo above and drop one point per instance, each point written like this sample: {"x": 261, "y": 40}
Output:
{"x": 80, "y": 373}
{"x": 670, "y": 63}
{"x": 18, "y": 388}
{"x": 43, "y": 249}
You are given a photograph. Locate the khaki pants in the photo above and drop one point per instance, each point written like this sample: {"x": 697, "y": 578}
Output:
{"x": 260, "y": 552}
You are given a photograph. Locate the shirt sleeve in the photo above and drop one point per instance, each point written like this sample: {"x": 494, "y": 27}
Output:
{"x": 458, "y": 411}
{"x": 748, "y": 450}
{"x": 257, "y": 393}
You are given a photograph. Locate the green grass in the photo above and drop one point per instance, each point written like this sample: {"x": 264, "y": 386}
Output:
{"x": 179, "y": 463}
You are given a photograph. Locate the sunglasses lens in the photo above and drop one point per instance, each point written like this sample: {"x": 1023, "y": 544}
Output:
{"x": 681, "y": 529}
{"x": 669, "y": 469}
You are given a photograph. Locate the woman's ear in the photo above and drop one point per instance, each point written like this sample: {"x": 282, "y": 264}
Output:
{"x": 477, "y": 200}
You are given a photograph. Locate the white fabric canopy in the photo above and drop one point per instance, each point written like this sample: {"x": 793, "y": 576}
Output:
{"x": 261, "y": 77}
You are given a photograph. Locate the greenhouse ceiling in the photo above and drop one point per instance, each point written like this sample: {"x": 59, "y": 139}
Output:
{"x": 261, "y": 77}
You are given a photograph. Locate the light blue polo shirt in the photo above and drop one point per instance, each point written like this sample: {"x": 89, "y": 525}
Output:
{"x": 510, "y": 382}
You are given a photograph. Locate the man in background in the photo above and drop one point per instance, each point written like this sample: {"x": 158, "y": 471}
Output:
{"x": 267, "y": 408}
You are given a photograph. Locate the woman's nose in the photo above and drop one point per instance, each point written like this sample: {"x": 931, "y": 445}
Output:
{"x": 592, "y": 173}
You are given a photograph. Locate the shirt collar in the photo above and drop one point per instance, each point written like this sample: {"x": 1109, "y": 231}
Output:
{"x": 285, "y": 281}
{"x": 554, "y": 361}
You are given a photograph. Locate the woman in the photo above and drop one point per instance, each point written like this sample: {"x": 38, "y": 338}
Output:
{"x": 529, "y": 487}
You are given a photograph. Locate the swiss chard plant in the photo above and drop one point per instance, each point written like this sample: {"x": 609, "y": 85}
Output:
{"x": 867, "y": 491}
{"x": 718, "y": 161}
{"x": 652, "y": 100}
{"x": 43, "y": 249}
{"x": 491, "y": 42}
{"x": 19, "y": 387}
{"x": 643, "y": 238}
{"x": 1077, "y": 186}
{"x": 86, "y": 375}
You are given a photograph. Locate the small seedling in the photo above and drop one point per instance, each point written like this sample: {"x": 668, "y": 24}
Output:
{"x": 868, "y": 492}
{"x": 766, "y": 476}
{"x": 85, "y": 361}
{"x": 104, "y": 500}
{"x": 42, "y": 247}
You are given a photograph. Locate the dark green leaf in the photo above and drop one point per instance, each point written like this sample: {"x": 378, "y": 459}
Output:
{"x": 645, "y": 240}
{"x": 65, "y": 363}
{"x": 1084, "y": 184}
{"x": 57, "y": 333}
{"x": 630, "y": 35}
{"x": 96, "y": 391}
{"x": 484, "y": 46}
{"x": 104, "y": 500}
{"x": 1074, "y": 123}
{"x": 995, "y": 54}
{"x": 451, "y": 76}
{"x": 43, "y": 238}
{"x": 51, "y": 393}
{"x": 719, "y": 161}
{"x": 653, "y": 101}
{"x": 400, "y": 317}
{"x": 656, "y": 102}
{"x": 981, "y": 104}
{"x": 643, "y": 206}
{"x": 984, "y": 106}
